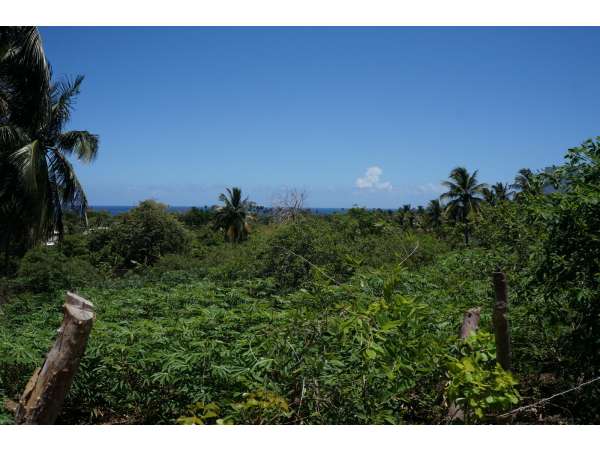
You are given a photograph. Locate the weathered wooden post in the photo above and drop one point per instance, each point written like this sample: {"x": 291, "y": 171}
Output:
{"x": 470, "y": 322}
{"x": 501, "y": 327}
{"x": 45, "y": 392}
{"x": 469, "y": 325}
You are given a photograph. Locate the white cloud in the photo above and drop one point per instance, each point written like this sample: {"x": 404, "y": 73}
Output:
{"x": 371, "y": 180}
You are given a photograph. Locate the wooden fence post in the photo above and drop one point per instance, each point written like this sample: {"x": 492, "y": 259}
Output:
{"x": 501, "y": 327}
{"x": 470, "y": 324}
{"x": 45, "y": 392}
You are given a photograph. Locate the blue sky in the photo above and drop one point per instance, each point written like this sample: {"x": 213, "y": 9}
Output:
{"x": 369, "y": 116}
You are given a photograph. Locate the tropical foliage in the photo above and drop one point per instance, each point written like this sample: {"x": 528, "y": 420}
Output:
{"x": 463, "y": 197}
{"x": 38, "y": 182}
{"x": 314, "y": 321}
{"x": 139, "y": 237}
{"x": 232, "y": 216}
{"x": 351, "y": 317}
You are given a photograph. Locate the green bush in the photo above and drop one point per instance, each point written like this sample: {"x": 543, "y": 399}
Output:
{"x": 196, "y": 218}
{"x": 566, "y": 263}
{"x": 204, "y": 240}
{"x": 44, "y": 269}
{"x": 299, "y": 251}
{"x": 75, "y": 245}
{"x": 477, "y": 384}
{"x": 227, "y": 263}
{"x": 140, "y": 237}
{"x": 174, "y": 269}
{"x": 392, "y": 246}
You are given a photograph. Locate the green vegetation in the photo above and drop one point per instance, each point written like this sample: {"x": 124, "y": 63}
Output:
{"x": 345, "y": 318}
{"x": 139, "y": 237}
{"x": 463, "y": 197}
{"x": 477, "y": 383}
{"x": 38, "y": 181}
{"x": 231, "y": 217}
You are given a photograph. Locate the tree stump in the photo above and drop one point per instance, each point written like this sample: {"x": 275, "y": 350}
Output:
{"x": 501, "y": 327}
{"x": 469, "y": 325}
{"x": 45, "y": 392}
{"x": 470, "y": 322}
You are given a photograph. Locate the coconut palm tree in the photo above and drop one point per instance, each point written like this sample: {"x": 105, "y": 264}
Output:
{"x": 499, "y": 192}
{"x": 488, "y": 195}
{"x": 46, "y": 180}
{"x": 233, "y": 215}
{"x": 463, "y": 196}
{"x": 502, "y": 192}
{"x": 526, "y": 182}
{"x": 37, "y": 181}
{"x": 434, "y": 213}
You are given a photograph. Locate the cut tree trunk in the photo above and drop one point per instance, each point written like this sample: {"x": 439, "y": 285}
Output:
{"x": 470, "y": 324}
{"x": 501, "y": 327}
{"x": 45, "y": 392}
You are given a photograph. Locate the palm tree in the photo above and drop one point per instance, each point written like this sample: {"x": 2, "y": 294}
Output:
{"x": 463, "y": 196}
{"x": 40, "y": 154}
{"x": 499, "y": 192}
{"x": 232, "y": 216}
{"x": 434, "y": 213}
{"x": 37, "y": 181}
{"x": 526, "y": 182}
{"x": 24, "y": 82}
{"x": 502, "y": 192}
{"x": 489, "y": 195}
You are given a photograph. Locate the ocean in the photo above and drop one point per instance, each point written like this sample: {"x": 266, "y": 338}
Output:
{"x": 119, "y": 209}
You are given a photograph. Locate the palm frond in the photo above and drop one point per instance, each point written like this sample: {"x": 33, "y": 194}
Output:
{"x": 24, "y": 77}
{"x": 63, "y": 95}
{"x": 69, "y": 190}
{"x": 11, "y": 136}
{"x": 32, "y": 51}
{"x": 31, "y": 162}
{"x": 82, "y": 143}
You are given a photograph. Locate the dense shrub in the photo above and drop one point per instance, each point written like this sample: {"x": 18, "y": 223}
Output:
{"x": 203, "y": 241}
{"x": 566, "y": 263}
{"x": 196, "y": 218}
{"x": 477, "y": 384}
{"x": 392, "y": 246}
{"x": 75, "y": 245}
{"x": 300, "y": 250}
{"x": 45, "y": 269}
{"x": 175, "y": 268}
{"x": 140, "y": 237}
